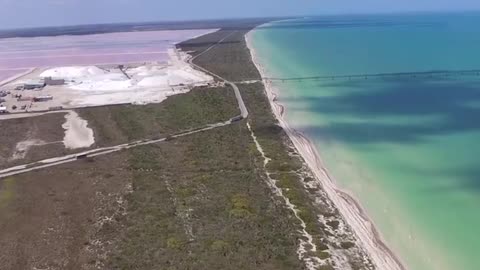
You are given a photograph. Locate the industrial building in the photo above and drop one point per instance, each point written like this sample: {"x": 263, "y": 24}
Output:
{"x": 53, "y": 81}
{"x": 42, "y": 98}
{"x": 3, "y": 109}
{"x": 22, "y": 98}
{"x": 34, "y": 84}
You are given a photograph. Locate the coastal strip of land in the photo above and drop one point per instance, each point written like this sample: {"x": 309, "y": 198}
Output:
{"x": 382, "y": 256}
{"x": 237, "y": 196}
{"x": 332, "y": 239}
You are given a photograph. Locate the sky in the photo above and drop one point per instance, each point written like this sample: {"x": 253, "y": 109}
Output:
{"x": 37, "y": 13}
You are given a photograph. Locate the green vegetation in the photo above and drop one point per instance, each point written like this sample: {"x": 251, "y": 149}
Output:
{"x": 196, "y": 202}
{"x": 7, "y": 191}
{"x": 284, "y": 167}
{"x": 232, "y": 60}
{"x": 220, "y": 246}
{"x": 240, "y": 206}
{"x": 208, "y": 185}
{"x": 47, "y": 128}
{"x": 347, "y": 245}
{"x": 119, "y": 124}
{"x": 323, "y": 255}
{"x": 333, "y": 224}
{"x": 174, "y": 243}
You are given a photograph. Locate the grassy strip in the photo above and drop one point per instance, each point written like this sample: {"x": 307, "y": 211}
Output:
{"x": 200, "y": 202}
{"x": 7, "y": 192}
{"x": 286, "y": 165}
{"x": 201, "y": 106}
{"x": 283, "y": 165}
{"x": 230, "y": 59}
{"x": 47, "y": 128}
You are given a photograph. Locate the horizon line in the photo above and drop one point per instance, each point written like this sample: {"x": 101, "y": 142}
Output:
{"x": 132, "y": 23}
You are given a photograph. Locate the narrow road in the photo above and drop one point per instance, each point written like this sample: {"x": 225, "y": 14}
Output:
{"x": 238, "y": 95}
{"x": 50, "y": 162}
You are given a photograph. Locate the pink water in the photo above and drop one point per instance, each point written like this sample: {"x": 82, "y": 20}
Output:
{"x": 9, "y": 73}
{"x": 19, "y": 54}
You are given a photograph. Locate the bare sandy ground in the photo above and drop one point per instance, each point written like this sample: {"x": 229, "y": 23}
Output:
{"x": 383, "y": 257}
{"x": 22, "y": 148}
{"x": 77, "y": 132}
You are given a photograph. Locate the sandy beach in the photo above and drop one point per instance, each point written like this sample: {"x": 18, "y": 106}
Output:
{"x": 382, "y": 256}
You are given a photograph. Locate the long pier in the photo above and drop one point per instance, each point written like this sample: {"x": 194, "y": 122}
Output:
{"x": 424, "y": 74}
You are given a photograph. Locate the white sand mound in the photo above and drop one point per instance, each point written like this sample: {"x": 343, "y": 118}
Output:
{"x": 186, "y": 75}
{"x": 146, "y": 71}
{"x": 156, "y": 81}
{"x": 143, "y": 95}
{"x": 103, "y": 84}
{"x": 77, "y": 132}
{"x": 72, "y": 72}
{"x": 148, "y": 83}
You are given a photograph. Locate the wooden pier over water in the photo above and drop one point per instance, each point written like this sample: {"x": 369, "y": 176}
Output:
{"x": 425, "y": 74}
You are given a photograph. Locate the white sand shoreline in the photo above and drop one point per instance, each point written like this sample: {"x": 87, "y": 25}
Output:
{"x": 351, "y": 210}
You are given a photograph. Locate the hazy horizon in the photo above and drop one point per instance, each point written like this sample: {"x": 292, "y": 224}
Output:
{"x": 17, "y": 14}
{"x": 242, "y": 17}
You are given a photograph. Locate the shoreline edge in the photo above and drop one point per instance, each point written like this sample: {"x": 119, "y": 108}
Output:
{"x": 350, "y": 209}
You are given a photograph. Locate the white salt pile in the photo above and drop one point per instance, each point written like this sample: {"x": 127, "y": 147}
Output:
{"x": 77, "y": 132}
{"x": 73, "y": 72}
{"x": 149, "y": 83}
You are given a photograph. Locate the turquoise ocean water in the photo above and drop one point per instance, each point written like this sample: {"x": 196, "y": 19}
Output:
{"x": 407, "y": 146}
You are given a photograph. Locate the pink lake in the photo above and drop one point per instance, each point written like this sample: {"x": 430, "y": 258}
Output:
{"x": 19, "y": 54}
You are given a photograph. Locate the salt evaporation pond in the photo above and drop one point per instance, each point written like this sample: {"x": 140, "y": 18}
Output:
{"x": 406, "y": 146}
{"x": 111, "y": 48}
{"x": 6, "y": 74}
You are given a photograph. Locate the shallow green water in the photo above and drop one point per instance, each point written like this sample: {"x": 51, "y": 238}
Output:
{"x": 406, "y": 146}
